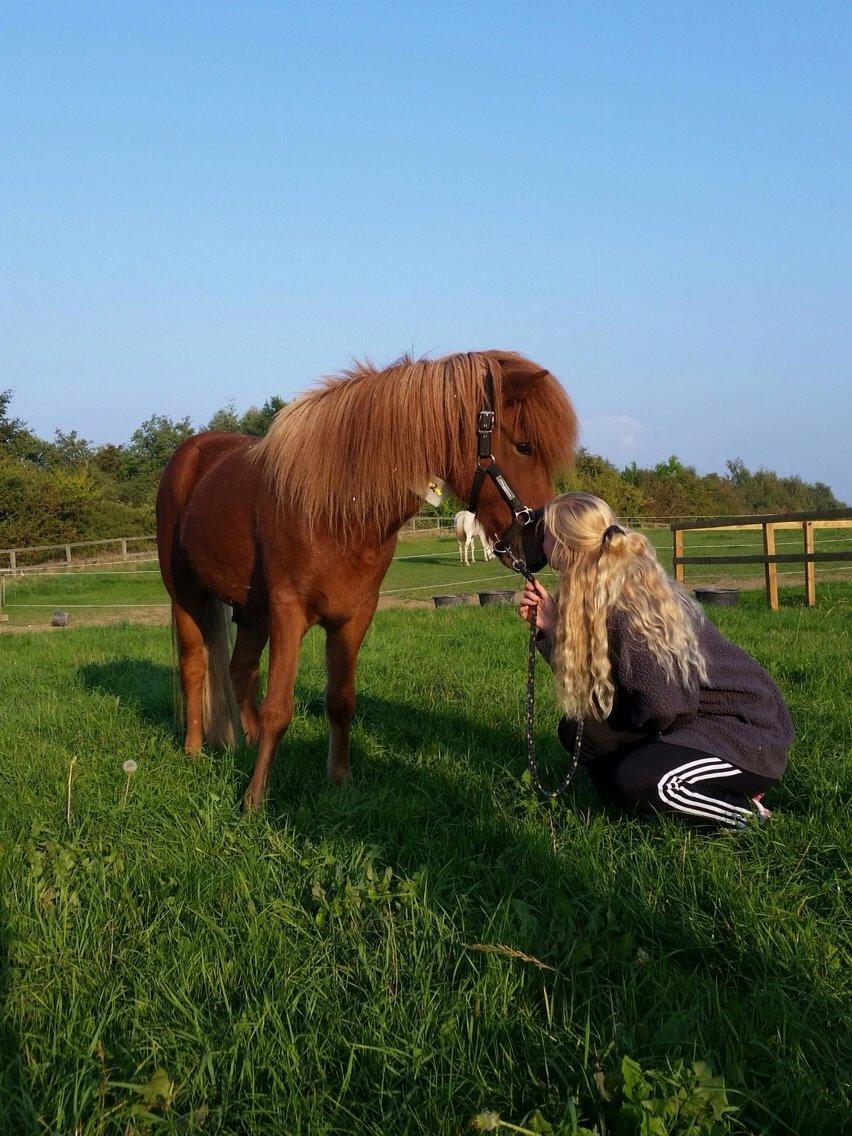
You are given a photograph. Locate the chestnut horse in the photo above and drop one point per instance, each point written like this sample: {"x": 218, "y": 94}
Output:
{"x": 299, "y": 528}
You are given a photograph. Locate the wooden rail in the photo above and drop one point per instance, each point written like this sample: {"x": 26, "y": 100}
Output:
{"x": 64, "y": 552}
{"x": 768, "y": 523}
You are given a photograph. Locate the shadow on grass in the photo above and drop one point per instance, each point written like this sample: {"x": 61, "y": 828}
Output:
{"x": 442, "y": 561}
{"x": 16, "y": 1107}
{"x": 145, "y": 687}
{"x": 460, "y": 822}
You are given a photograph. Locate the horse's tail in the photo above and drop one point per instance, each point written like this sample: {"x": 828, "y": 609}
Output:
{"x": 458, "y": 525}
{"x": 220, "y": 714}
{"x": 178, "y": 705}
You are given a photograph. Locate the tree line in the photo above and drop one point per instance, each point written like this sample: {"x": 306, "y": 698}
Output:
{"x": 68, "y": 489}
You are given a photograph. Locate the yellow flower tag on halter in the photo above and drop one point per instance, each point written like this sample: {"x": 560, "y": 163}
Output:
{"x": 437, "y": 490}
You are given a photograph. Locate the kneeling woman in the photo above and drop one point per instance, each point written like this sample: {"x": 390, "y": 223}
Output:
{"x": 676, "y": 718}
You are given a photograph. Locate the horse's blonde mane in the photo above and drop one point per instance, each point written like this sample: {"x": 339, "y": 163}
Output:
{"x": 354, "y": 452}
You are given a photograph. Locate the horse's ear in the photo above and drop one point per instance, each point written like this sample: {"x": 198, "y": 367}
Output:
{"x": 520, "y": 375}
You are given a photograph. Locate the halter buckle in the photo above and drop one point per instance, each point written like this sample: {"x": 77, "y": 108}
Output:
{"x": 483, "y": 434}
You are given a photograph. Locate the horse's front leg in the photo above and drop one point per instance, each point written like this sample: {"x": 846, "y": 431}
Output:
{"x": 341, "y": 653}
{"x": 287, "y": 627}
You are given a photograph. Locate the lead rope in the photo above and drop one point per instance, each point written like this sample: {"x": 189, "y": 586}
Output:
{"x": 545, "y": 794}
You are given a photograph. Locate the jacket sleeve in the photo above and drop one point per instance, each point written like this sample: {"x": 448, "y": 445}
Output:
{"x": 647, "y": 699}
{"x": 544, "y": 643}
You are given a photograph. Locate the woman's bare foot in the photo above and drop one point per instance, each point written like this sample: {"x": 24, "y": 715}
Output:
{"x": 762, "y": 811}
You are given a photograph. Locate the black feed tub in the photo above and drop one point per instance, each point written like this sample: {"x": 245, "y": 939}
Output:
{"x": 487, "y": 598}
{"x": 456, "y": 599}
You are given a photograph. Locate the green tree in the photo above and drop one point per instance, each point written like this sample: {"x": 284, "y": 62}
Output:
{"x": 70, "y": 449}
{"x": 254, "y": 421}
{"x": 154, "y": 442}
{"x": 43, "y": 506}
{"x": 594, "y": 474}
{"x": 226, "y": 419}
{"x": 111, "y": 460}
{"x": 765, "y": 492}
{"x": 9, "y": 427}
{"x": 17, "y": 440}
{"x": 257, "y": 422}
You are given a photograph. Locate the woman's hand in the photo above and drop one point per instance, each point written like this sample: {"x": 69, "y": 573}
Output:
{"x": 537, "y": 598}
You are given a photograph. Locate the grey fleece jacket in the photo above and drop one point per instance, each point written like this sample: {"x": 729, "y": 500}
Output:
{"x": 738, "y": 715}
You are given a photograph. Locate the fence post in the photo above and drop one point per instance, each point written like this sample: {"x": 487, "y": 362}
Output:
{"x": 3, "y": 618}
{"x": 13, "y": 559}
{"x": 68, "y": 554}
{"x": 810, "y": 567}
{"x": 770, "y": 570}
{"x": 124, "y": 548}
{"x": 678, "y": 551}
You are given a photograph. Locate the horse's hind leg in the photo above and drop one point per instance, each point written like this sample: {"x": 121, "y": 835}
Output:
{"x": 341, "y": 653}
{"x": 189, "y": 623}
{"x": 287, "y": 626}
{"x": 252, "y": 634}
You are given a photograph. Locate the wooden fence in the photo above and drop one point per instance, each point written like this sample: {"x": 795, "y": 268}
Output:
{"x": 79, "y": 554}
{"x": 770, "y": 523}
{"x": 74, "y": 553}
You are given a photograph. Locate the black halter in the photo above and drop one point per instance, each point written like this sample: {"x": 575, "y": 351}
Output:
{"x": 524, "y": 521}
{"x": 522, "y": 515}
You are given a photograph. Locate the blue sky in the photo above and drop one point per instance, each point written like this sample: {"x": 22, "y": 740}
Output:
{"x": 206, "y": 202}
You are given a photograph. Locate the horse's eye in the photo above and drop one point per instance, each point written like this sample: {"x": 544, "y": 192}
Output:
{"x": 523, "y": 447}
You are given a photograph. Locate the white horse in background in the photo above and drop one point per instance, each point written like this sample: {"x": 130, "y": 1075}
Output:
{"x": 467, "y": 527}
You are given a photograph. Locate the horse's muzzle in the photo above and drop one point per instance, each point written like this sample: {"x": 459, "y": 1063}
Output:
{"x": 527, "y": 547}
{"x": 532, "y": 542}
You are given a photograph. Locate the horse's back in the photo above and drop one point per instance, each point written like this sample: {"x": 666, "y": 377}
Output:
{"x": 193, "y": 458}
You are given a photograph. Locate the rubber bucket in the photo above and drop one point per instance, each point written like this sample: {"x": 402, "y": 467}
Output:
{"x": 718, "y": 597}
{"x": 488, "y": 598}
{"x": 455, "y": 599}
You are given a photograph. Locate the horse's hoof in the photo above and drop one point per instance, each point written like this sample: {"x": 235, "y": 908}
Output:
{"x": 193, "y": 752}
{"x": 340, "y": 777}
{"x": 252, "y": 801}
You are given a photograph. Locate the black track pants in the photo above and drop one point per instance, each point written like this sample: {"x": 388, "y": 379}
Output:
{"x": 658, "y": 776}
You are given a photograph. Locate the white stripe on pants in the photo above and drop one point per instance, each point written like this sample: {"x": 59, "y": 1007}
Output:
{"x": 674, "y": 792}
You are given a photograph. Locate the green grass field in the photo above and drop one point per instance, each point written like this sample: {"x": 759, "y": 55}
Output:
{"x": 421, "y": 948}
{"x": 424, "y": 566}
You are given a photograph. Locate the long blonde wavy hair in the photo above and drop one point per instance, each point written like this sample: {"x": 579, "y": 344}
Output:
{"x": 603, "y": 569}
